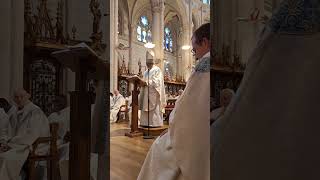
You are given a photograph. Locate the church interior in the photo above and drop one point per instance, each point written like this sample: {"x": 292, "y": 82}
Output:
{"x": 45, "y": 42}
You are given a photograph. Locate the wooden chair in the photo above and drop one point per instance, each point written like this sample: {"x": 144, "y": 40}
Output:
{"x": 123, "y": 111}
{"x": 52, "y": 157}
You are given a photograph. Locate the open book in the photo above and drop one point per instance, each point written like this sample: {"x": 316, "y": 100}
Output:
{"x": 72, "y": 55}
{"x": 135, "y": 78}
{"x": 82, "y": 46}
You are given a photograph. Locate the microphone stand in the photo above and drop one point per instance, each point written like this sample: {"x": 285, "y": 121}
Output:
{"x": 148, "y": 131}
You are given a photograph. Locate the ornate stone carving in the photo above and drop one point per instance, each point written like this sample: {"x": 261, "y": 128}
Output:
{"x": 96, "y": 35}
{"x": 74, "y": 30}
{"x": 140, "y": 72}
{"x": 29, "y": 22}
{"x": 59, "y": 24}
{"x": 43, "y": 21}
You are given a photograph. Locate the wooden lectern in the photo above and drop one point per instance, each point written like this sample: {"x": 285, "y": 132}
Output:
{"x": 135, "y": 106}
{"x": 82, "y": 61}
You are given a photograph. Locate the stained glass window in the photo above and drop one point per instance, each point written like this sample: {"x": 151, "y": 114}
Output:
{"x": 167, "y": 39}
{"x": 206, "y": 1}
{"x": 143, "y": 30}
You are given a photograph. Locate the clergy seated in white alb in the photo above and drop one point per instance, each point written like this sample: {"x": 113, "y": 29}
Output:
{"x": 183, "y": 152}
{"x": 7, "y": 112}
{"x": 62, "y": 116}
{"x": 117, "y": 101}
{"x": 111, "y": 99}
{"x": 179, "y": 94}
{"x": 129, "y": 106}
{"x": 226, "y": 96}
{"x": 154, "y": 83}
{"x": 271, "y": 128}
{"x": 31, "y": 123}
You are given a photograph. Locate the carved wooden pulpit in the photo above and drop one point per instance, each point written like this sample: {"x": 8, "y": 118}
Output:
{"x": 135, "y": 106}
{"x": 83, "y": 61}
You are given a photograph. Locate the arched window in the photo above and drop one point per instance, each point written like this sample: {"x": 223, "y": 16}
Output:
{"x": 143, "y": 30}
{"x": 206, "y": 1}
{"x": 167, "y": 39}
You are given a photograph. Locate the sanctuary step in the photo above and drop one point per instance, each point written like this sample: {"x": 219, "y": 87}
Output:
{"x": 154, "y": 131}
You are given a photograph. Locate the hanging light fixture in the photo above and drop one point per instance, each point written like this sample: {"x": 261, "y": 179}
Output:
{"x": 185, "y": 47}
{"x": 149, "y": 45}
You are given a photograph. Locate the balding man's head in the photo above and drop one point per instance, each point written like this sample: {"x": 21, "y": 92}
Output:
{"x": 180, "y": 92}
{"x": 21, "y": 97}
{"x": 226, "y": 96}
{"x": 116, "y": 92}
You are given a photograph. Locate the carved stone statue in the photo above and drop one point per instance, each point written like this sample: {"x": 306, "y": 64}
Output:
{"x": 96, "y": 33}
{"x": 59, "y": 27}
{"x": 140, "y": 72}
{"x": 94, "y": 7}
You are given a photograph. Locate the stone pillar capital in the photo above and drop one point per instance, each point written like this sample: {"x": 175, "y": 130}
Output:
{"x": 157, "y": 5}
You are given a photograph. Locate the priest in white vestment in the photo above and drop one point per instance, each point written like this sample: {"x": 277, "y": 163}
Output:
{"x": 31, "y": 124}
{"x": 117, "y": 101}
{"x": 270, "y": 131}
{"x": 4, "y": 120}
{"x": 183, "y": 152}
{"x": 4, "y": 124}
{"x": 61, "y": 115}
{"x": 154, "y": 83}
{"x": 226, "y": 96}
{"x": 7, "y": 119}
{"x": 111, "y": 99}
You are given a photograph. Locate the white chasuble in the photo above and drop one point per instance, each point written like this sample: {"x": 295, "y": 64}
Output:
{"x": 157, "y": 101}
{"x": 183, "y": 152}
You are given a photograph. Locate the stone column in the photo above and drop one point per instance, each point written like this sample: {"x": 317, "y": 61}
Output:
{"x": 130, "y": 60}
{"x": 188, "y": 34}
{"x": 157, "y": 30}
{"x": 113, "y": 45}
{"x": 179, "y": 52}
{"x": 11, "y": 47}
{"x": 186, "y": 54}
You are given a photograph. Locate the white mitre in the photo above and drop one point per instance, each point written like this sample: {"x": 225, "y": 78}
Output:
{"x": 150, "y": 57}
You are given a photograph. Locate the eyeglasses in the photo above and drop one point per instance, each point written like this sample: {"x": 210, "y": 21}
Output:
{"x": 193, "y": 51}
